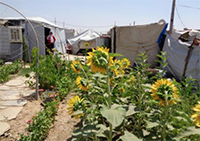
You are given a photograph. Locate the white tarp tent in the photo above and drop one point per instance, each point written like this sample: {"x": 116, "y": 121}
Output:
{"x": 133, "y": 40}
{"x": 39, "y": 25}
{"x": 177, "y": 51}
{"x": 78, "y": 41}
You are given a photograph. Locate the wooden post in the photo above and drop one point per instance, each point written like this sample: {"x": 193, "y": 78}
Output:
{"x": 172, "y": 17}
{"x": 187, "y": 58}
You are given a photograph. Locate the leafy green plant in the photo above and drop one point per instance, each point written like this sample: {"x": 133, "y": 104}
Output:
{"x": 6, "y": 70}
{"x": 41, "y": 124}
{"x": 125, "y": 104}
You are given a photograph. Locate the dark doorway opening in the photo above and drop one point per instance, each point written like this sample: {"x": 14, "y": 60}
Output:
{"x": 46, "y": 33}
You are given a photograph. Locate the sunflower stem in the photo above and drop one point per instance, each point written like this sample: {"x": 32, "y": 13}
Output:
{"x": 109, "y": 101}
{"x": 84, "y": 73}
{"x": 166, "y": 109}
{"x": 140, "y": 103}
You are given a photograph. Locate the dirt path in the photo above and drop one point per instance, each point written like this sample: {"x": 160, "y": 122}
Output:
{"x": 64, "y": 124}
{"x": 18, "y": 126}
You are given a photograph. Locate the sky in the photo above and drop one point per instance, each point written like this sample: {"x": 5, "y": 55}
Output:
{"x": 101, "y": 15}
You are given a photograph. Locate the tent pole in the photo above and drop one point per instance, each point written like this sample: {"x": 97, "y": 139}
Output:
{"x": 172, "y": 17}
{"x": 37, "y": 43}
{"x": 187, "y": 58}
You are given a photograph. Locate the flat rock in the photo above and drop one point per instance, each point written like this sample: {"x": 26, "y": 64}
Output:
{"x": 2, "y": 107}
{"x": 14, "y": 82}
{"x": 13, "y": 103}
{"x": 11, "y": 95}
{"x": 2, "y": 117}
{"x": 4, "y": 88}
{"x": 4, "y": 127}
{"x": 11, "y": 112}
{"x": 8, "y": 63}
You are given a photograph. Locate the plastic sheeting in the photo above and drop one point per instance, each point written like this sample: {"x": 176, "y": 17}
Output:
{"x": 133, "y": 40}
{"x": 177, "y": 51}
{"x": 87, "y": 35}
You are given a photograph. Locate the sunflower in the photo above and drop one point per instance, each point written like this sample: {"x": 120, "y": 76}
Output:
{"x": 82, "y": 83}
{"x": 196, "y": 119}
{"x": 76, "y": 65}
{"x": 75, "y": 103}
{"x": 98, "y": 59}
{"x": 125, "y": 63}
{"x": 131, "y": 80}
{"x": 162, "y": 87}
{"x": 112, "y": 82}
{"x": 122, "y": 89}
{"x": 117, "y": 70}
{"x": 196, "y": 116}
{"x": 86, "y": 44}
{"x": 197, "y": 107}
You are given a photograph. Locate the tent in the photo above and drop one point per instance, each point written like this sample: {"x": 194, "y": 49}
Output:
{"x": 177, "y": 49}
{"x": 133, "y": 40}
{"x": 42, "y": 27}
{"x": 78, "y": 42}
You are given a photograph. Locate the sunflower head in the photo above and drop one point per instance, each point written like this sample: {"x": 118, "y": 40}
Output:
{"x": 125, "y": 63}
{"x": 122, "y": 89}
{"x": 86, "y": 44}
{"x": 197, "y": 107}
{"x": 131, "y": 80}
{"x": 82, "y": 83}
{"x": 164, "y": 91}
{"x": 76, "y": 65}
{"x": 75, "y": 104}
{"x": 112, "y": 82}
{"x": 98, "y": 59}
{"x": 117, "y": 68}
{"x": 196, "y": 116}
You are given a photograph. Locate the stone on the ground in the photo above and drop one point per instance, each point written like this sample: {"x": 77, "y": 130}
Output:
{"x": 4, "y": 127}
{"x": 11, "y": 95}
{"x": 4, "y": 88}
{"x": 2, "y": 107}
{"x": 8, "y": 63}
{"x": 14, "y": 82}
{"x": 11, "y": 112}
{"x": 14, "y": 102}
{"x": 1, "y": 117}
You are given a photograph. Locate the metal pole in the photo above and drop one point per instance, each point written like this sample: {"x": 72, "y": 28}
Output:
{"x": 37, "y": 43}
{"x": 172, "y": 17}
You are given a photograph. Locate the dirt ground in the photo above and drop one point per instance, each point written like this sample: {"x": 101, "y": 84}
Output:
{"x": 60, "y": 131}
{"x": 64, "y": 124}
{"x": 18, "y": 126}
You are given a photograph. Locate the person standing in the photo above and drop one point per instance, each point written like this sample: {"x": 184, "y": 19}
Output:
{"x": 51, "y": 40}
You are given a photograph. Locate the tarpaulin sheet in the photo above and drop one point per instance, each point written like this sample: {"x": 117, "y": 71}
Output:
{"x": 133, "y": 40}
{"x": 177, "y": 51}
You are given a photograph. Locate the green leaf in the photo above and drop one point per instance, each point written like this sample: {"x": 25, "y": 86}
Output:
{"x": 151, "y": 124}
{"x": 114, "y": 54}
{"x": 189, "y": 131}
{"x": 115, "y": 115}
{"x": 87, "y": 131}
{"x": 129, "y": 137}
{"x": 132, "y": 110}
{"x": 103, "y": 131}
{"x": 77, "y": 112}
{"x": 99, "y": 75}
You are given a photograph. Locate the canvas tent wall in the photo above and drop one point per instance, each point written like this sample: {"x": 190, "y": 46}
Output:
{"x": 177, "y": 51}
{"x": 40, "y": 25}
{"x": 78, "y": 41}
{"x": 69, "y": 33}
{"x": 133, "y": 40}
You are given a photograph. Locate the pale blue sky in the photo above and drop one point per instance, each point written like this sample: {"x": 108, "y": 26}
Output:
{"x": 95, "y": 13}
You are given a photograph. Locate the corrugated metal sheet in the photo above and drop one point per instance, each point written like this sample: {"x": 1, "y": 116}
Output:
{"x": 4, "y": 42}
